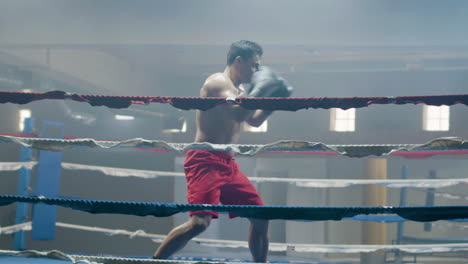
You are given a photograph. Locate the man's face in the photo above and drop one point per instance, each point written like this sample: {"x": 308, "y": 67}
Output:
{"x": 248, "y": 68}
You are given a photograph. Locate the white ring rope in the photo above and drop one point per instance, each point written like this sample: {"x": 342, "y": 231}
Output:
{"x": 121, "y": 172}
{"x": 99, "y": 259}
{"x": 55, "y": 254}
{"x": 15, "y": 228}
{"x": 446, "y": 195}
{"x": 300, "y": 182}
{"x": 14, "y": 166}
{"x": 54, "y": 144}
{"x": 450, "y": 196}
{"x": 450, "y": 225}
{"x": 279, "y": 247}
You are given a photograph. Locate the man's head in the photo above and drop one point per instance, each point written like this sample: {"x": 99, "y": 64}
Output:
{"x": 244, "y": 57}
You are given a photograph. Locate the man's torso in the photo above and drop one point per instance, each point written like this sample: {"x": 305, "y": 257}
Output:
{"x": 218, "y": 125}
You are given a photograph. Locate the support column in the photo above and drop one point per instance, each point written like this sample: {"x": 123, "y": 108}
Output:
{"x": 24, "y": 181}
{"x": 374, "y": 233}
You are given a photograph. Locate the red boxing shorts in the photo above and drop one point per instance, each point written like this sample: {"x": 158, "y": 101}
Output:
{"x": 214, "y": 177}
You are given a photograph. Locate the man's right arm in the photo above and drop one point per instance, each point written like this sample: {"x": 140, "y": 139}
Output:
{"x": 219, "y": 88}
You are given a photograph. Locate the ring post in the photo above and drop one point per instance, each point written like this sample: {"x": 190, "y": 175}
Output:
{"x": 47, "y": 184}
{"x": 23, "y": 186}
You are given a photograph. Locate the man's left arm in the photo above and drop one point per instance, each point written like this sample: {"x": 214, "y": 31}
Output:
{"x": 266, "y": 83}
{"x": 258, "y": 117}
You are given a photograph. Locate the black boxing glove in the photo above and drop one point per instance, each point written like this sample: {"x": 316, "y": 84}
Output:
{"x": 282, "y": 90}
{"x": 265, "y": 83}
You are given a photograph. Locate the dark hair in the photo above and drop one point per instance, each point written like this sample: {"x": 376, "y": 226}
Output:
{"x": 244, "y": 48}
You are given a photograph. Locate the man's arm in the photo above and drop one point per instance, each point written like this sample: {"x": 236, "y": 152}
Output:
{"x": 218, "y": 87}
{"x": 266, "y": 83}
{"x": 258, "y": 117}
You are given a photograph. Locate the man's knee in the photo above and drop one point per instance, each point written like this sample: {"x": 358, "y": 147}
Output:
{"x": 200, "y": 222}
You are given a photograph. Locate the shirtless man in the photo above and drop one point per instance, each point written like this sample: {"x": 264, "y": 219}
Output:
{"x": 212, "y": 176}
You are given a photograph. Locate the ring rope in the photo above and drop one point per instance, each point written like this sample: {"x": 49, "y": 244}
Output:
{"x": 88, "y": 259}
{"x": 7, "y": 230}
{"x": 239, "y": 101}
{"x": 54, "y": 254}
{"x": 100, "y": 259}
{"x": 445, "y": 195}
{"x": 450, "y": 227}
{"x": 53, "y": 144}
{"x": 274, "y": 247}
{"x": 205, "y": 103}
{"x": 414, "y": 213}
{"x": 14, "y": 166}
{"x": 300, "y": 182}
{"x": 278, "y": 247}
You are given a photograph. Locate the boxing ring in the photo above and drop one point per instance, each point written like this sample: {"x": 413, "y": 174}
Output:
{"x": 381, "y": 214}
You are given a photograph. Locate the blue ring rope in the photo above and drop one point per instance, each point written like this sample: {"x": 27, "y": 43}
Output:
{"x": 414, "y": 213}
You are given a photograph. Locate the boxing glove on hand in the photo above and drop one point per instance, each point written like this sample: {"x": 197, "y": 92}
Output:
{"x": 283, "y": 90}
{"x": 266, "y": 83}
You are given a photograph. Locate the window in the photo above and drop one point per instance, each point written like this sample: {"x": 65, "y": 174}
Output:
{"x": 124, "y": 117}
{"x": 436, "y": 118}
{"x": 261, "y": 129}
{"x": 342, "y": 120}
{"x": 23, "y": 114}
{"x": 180, "y": 127}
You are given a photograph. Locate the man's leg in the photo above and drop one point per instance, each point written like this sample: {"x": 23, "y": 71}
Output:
{"x": 179, "y": 236}
{"x": 258, "y": 239}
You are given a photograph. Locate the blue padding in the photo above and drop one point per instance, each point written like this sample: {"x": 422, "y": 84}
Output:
{"x": 47, "y": 184}
{"x": 23, "y": 188}
{"x": 414, "y": 213}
